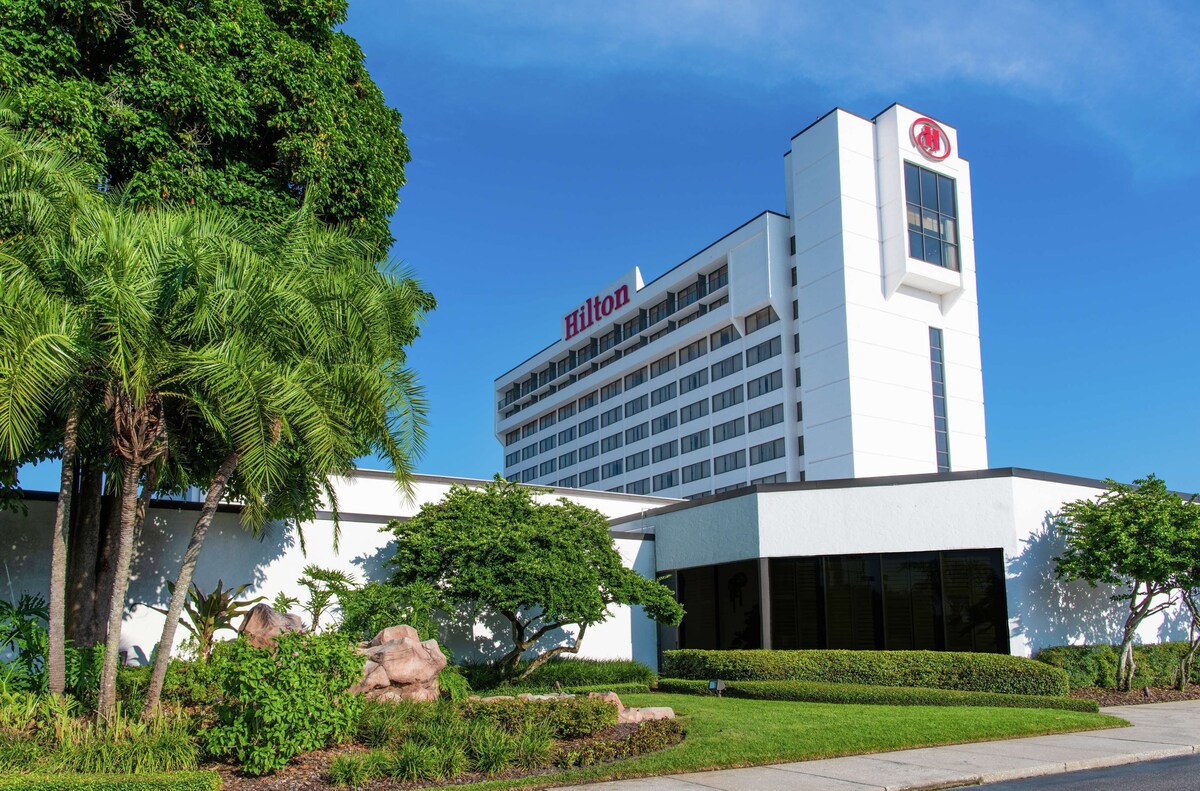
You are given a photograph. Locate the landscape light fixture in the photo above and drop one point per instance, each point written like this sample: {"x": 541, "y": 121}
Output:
{"x": 717, "y": 686}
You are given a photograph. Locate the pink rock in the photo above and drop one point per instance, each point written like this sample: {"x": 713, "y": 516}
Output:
{"x": 262, "y": 625}
{"x": 657, "y": 713}
{"x": 395, "y": 633}
{"x": 611, "y": 697}
{"x": 374, "y": 677}
{"x": 400, "y": 666}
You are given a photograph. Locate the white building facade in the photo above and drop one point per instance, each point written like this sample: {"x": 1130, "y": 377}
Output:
{"x": 838, "y": 341}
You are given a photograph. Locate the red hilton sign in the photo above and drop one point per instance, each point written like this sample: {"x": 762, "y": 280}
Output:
{"x": 931, "y": 139}
{"x": 593, "y": 310}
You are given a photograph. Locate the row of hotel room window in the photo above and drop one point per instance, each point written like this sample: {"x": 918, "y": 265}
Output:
{"x": 672, "y": 302}
{"x": 938, "y": 601}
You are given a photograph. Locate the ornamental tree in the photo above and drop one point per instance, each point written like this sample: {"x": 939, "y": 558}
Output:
{"x": 252, "y": 104}
{"x": 1136, "y": 537}
{"x": 542, "y": 566}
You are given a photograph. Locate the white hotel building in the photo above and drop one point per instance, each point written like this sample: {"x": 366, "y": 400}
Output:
{"x": 838, "y": 341}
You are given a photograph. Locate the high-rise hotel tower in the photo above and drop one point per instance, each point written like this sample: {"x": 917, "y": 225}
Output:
{"x": 838, "y": 341}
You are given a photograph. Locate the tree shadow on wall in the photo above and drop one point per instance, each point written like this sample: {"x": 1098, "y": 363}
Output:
{"x": 1048, "y": 611}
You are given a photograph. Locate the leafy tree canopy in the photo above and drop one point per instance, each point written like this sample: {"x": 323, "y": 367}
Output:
{"x": 252, "y": 104}
{"x": 542, "y": 566}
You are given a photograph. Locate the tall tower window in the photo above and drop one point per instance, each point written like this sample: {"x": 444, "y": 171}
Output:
{"x": 941, "y": 433}
{"x": 932, "y": 216}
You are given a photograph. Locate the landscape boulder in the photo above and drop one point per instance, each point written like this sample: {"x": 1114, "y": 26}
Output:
{"x": 262, "y": 625}
{"x": 401, "y": 666}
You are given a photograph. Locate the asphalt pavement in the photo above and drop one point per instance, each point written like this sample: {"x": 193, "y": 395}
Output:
{"x": 1165, "y": 774}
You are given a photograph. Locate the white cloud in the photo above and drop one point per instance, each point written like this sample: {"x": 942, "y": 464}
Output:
{"x": 1128, "y": 70}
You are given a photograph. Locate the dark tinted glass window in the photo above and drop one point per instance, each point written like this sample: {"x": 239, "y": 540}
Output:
{"x": 797, "y": 603}
{"x": 852, "y": 602}
{"x": 975, "y": 601}
{"x": 911, "y": 604}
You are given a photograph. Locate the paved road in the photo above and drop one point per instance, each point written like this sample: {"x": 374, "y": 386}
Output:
{"x": 1166, "y": 774}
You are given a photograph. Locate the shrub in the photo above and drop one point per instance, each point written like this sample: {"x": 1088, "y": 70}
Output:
{"x": 359, "y": 768}
{"x": 1096, "y": 665}
{"x": 176, "y": 781}
{"x": 377, "y": 605}
{"x": 187, "y": 684}
{"x": 416, "y": 761}
{"x": 24, "y": 638}
{"x": 967, "y": 672}
{"x": 535, "y": 746}
{"x": 568, "y": 718}
{"x": 650, "y": 736}
{"x": 453, "y": 684}
{"x": 492, "y": 749}
{"x": 820, "y": 692}
{"x": 568, "y": 672}
{"x": 283, "y": 701}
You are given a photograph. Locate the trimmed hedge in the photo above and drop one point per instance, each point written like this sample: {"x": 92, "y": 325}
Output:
{"x": 569, "y": 718}
{"x": 176, "y": 781}
{"x": 966, "y": 672}
{"x": 568, "y": 672}
{"x": 1096, "y": 665}
{"x": 819, "y": 692}
{"x": 620, "y": 689}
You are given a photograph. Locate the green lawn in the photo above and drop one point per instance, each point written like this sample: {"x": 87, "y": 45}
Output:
{"x": 732, "y": 732}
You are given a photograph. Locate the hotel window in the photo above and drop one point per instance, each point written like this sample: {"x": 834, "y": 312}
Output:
{"x": 693, "y": 411}
{"x": 611, "y": 389}
{"x": 639, "y": 404}
{"x": 758, "y": 320}
{"x": 729, "y": 462}
{"x": 764, "y": 351}
{"x": 610, "y": 469}
{"x": 566, "y": 411}
{"x": 694, "y": 472}
{"x": 932, "y": 216}
{"x": 722, "y": 337}
{"x": 766, "y": 451}
{"x": 718, "y": 302}
{"x": 800, "y": 446}
{"x": 730, "y": 488}
{"x": 588, "y": 401}
{"x": 793, "y": 268}
{"x": 659, "y": 312}
{"x": 611, "y": 416}
{"x": 667, "y": 450}
{"x": 665, "y": 480}
{"x": 797, "y": 377}
{"x": 764, "y": 384}
{"x": 638, "y": 487}
{"x": 799, "y": 412}
{"x": 512, "y": 458}
{"x": 529, "y": 451}
{"x": 664, "y": 393}
{"x": 631, "y": 328}
{"x": 566, "y": 435}
{"x": 688, "y": 296}
{"x": 607, "y": 341}
{"x": 796, "y": 343}
{"x": 583, "y": 355}
{"x": 589, "y": 451}
{"x": 637, "y": 433}
{"x": 634, "y": 379}
{"x": 528, "y": 428}
{"x": 588, "y": 426}
{"x": 729, "y": 429}
{"x": 566, "y": 460}
{"x": 570, "y": 482}
{"x": 690, "y": 382}
{"x": 589, "y": 476}
{"x": 727, "y": 367}
{"x": 941, "y": 431}
{"x": 611, "y": 442}
{"x": 636, "y": 461}
{"x": 656, "y": 335}
{"x": 664, "y": 423}
{"x": 547, "y": 467}
{"x": 695, "y": 441}
{"x": 693, "y": 351}
{"x": 549, "y": 443}
{"x": 660, "y": 367}
{"x": 727, "y": 398}
{"x": 688, "y": 319}
{"x": 718, "y": 278}
{"x": 546, "y": 421}
{"x": 512, "y": 436}
{"x": 765, "y": 417}
{"x": 528, "y": 474}
{"x": 779, "y": 477}
{"x": 795, "y": 310}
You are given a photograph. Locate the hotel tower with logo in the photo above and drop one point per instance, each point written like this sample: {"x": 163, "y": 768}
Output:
{"x": 838, "y": 341}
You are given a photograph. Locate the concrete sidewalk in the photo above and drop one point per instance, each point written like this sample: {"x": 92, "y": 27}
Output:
{"x": 1160, "y": 730}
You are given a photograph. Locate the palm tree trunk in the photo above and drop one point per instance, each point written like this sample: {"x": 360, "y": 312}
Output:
{"x": 83, "y": 554}
{"x": 56, "y": 659}
{"x": 107, "y": 706}
{"x": 216, "y": 492}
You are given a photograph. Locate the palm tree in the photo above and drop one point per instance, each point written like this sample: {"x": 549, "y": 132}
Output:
{"x": 302, "y": 372}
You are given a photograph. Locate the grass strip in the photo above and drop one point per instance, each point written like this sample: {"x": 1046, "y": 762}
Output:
{"x": 174, "y": 781}
{"x": 823, "y": 692}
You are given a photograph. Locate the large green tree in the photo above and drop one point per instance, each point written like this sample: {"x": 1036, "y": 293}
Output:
{"x": 1139, "y": 538}
{"x": 252, "y": 104}
{"x": 497, "y": 550}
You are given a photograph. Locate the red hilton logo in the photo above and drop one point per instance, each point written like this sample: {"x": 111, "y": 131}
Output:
{"x": 931, "y": 139}
{"x": 593, "y": 310}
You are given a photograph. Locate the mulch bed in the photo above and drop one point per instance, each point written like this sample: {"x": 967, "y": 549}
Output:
{"x": 308, "y": 772}
{"x": 1111, "y": 697}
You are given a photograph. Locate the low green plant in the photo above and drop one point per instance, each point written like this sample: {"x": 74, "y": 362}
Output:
{"x": 23, "y": 636}
{"x": 325, "y": 587}
{"x": 453, "y": 684}
{"x": 1096, "y": 665}
{"x": 968, "y": 672}
{"x": 282, "y": 603}
{"x": 209, "y": 613}
{"x": 567, "y": 672}
{"x": 492, "y": 749}
{"x": 820, "y": 692}
{"x": 535, "y": 746}
{"x": 416, "y": 762}
{"x": 175, "y": 781}
{"x": 188, "y": 684}
{"x": 649, "y": 737}
{"x": 276, "y": 703}
{"x": 571, "y": 718}
{"x": 355, "y": 769}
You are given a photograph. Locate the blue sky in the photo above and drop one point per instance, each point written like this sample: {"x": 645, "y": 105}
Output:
{"x": 558, "y": 144}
